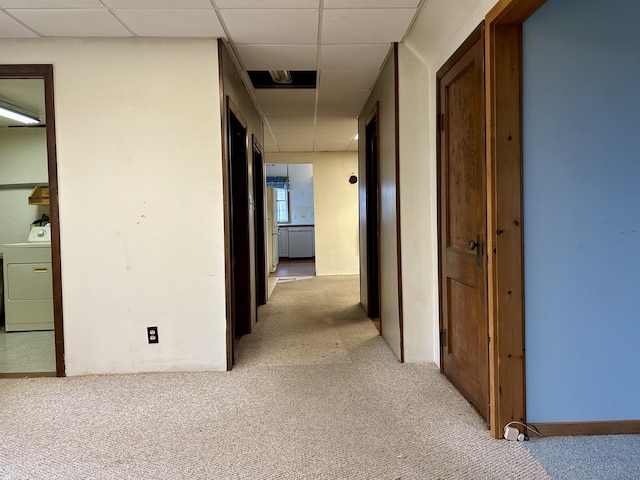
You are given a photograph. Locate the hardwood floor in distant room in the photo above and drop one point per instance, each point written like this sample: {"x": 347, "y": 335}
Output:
{"x": 303, "y": 267}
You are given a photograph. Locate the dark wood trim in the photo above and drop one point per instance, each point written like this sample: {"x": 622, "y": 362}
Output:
{"x": 396, "y": 89}
{"x": 45, "y": 72}
{"x": 226, "y": 203}
{"x": 29, "y": 375}
{"x": 503, "y": 84}
{"x": 615, "y": 427}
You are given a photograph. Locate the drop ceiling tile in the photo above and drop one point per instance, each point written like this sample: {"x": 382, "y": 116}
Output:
{"x": 350, "y": 123}
{"x": 171, "y": 23}
{"x": 295, "y": 143}
{"x": 365, "y": 26}
{"x": 278, "y": 57}
{"x": 339, "y": 109}
{"x": 306, "y": 130}
{"x": 348, "y": 78}
{"x": 283, "y": 96}
{"x": 272, "y": 26}
{"x": 10, "y": 28}
{"x": 353, "y": 57}
{"x": 170, "y": 4}
{"x": 290, "y": 120}
{"x": 337, "y": 131}
{"x": 295, "y": 110}
{"x": 330, "y": 145}
{"x": 371, "y": 3}
{"x": 267, "y": 3}
{"x": 72, "y": 23}
{"x": 51, "y": 4}
{"x": 343, "y": 95}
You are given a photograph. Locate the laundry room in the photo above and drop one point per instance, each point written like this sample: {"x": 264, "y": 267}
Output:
{"x": 26, "y": 305}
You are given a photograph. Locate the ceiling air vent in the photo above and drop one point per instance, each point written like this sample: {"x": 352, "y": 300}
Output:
{"x": 283, "y": 78}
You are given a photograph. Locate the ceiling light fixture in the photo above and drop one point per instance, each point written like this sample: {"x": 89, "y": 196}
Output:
{"x": 282, "y": 77}
{"x": 14, "y": 113}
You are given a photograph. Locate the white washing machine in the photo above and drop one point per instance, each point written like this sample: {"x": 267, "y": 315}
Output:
{"x": 28, "y": 285}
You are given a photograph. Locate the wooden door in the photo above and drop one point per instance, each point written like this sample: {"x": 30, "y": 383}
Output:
{"x": 462, "y": 222}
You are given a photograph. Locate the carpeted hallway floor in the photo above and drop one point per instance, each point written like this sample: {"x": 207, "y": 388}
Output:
{"x": 315, "y": 393}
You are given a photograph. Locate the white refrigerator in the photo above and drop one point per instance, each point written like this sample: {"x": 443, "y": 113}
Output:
{"x": 273, "y": 234}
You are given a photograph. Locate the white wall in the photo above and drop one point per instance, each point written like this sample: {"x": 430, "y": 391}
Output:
{"x": 23, "y": 159}
{"x": 440, "y": 28}
{"x": 418, "y": 211}
{"x": 140, "y": 193}
{"x": 335, "y": 208}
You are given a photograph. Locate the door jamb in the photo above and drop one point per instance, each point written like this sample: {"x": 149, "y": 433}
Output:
{"x": 45, "y": 72}
{"x": 505, "y": 266}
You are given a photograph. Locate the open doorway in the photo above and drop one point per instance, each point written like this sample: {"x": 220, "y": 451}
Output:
{"x": 31, "y": 334}
{"x": 372, "y": 195}
{"x": 290, "y": 205}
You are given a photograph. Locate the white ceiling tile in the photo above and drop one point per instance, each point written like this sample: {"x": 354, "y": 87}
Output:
{"x": 286, "y": 96}
{"x": 358, "y": 96}
{"x": 272, "y": 26}
{"x": 268, "y": 3}
{"x": 353, "y": 147}
{"x": 296, "y": 110}
{"x": 306, "y": 130}
{"x": 290, "y": 120}
{"x": 353, "y": 57}
{"x": 337, "y": 131}
{"x": 371, "y": 4}
{"x": 339, "y": 109}
{"x": 350, "y": 123}
{"x": 171, "y": 23}
{"x": 365, "y": 26}
{"x": 330, "y": 145}
{"x": 72, "y": 23}
{"x": 9, "y": 28}
{"x": 295, "y": 143}
{"x": 278, "y": 57}
{"x": 170, "y": 4}
{"x": 51, "y": 4}
{"x": 348, "y": 78}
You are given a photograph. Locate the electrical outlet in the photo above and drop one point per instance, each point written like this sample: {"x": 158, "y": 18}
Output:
{"x": 152, "y": 334}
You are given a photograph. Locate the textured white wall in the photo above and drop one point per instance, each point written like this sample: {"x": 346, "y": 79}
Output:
{"x": 335, "y": 208}
{"x": 23, "y": 159}
{"x": 140, "y": 191}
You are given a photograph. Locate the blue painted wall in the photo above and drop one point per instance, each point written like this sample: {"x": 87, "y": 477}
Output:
{"x": 582, "y": 210}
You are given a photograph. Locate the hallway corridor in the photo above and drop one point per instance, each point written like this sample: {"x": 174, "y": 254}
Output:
{"x": 315, "y": 394}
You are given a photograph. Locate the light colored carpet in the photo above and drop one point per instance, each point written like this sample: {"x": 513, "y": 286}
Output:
{"x": 315, "y": 394}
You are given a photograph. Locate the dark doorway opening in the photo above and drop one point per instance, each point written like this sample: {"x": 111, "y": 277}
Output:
{"x": 372, "y": 174}
{"x": 239, "y": 242}
{"x": 259, "y": 190}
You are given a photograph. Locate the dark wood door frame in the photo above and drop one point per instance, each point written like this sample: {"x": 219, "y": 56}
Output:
{"x": 505, "y": 267}
{"x": 503, "y": 83}
{"x": 372, "y": 214}
{"x": 45, "y": 72}
{"x": 259, "y": 188}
